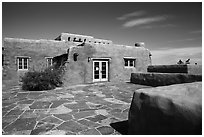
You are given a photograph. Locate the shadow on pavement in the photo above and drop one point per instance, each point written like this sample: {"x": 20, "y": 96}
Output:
{"x": 121, "y": 127}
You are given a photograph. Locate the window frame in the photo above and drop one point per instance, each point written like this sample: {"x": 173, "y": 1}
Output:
{"x": 23, "y": 65}
{"x": 47, "y": 61}
{"x": 128, "y": 60}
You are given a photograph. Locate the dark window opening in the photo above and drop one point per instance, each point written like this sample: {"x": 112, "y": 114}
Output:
{"x": 129, "y": 62}
{"x": 49, "y": 61}
{"x": 84, "y": 40}
{"x": 74, "y": 39}
{"x": 68, "y": 39}
{"x": 75, "y": 56}
{"x": 80, "y": 40}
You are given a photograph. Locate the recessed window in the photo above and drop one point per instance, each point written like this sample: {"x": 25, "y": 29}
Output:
{"x": 129, "y": 62}
{"x": 22, "y": 63}
{"x": 49, "y": 61}
{"x": 75, "y": 56}
{"x": 68, "y": 38}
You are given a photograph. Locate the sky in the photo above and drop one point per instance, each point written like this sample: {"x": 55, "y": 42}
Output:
{"x": 170, "y": 30}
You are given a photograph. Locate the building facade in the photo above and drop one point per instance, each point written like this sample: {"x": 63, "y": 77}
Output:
{"x": 86, "y": 59}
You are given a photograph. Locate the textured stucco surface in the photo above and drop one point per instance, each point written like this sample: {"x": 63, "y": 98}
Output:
{"x": 80, "y": 71}
{"x": 175, "y": 109}
{"x": 37, "y": 50}
{"x": 190, "y": 69}
{"x": 163, "y": 79}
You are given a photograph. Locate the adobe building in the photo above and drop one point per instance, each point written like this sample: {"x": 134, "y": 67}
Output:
{"x": 86, "y": 59}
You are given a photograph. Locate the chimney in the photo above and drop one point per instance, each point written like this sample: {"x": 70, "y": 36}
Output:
{"x": 139, "y": 44}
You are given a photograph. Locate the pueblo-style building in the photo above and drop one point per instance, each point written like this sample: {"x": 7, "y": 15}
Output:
{"x": 86, "y": 59}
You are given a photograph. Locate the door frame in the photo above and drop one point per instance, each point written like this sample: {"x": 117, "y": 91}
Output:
{"x": 100, "y": 67}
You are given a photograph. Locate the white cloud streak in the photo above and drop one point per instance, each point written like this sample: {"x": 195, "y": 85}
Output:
{"x": 132, "y": 14}
{"x": 183, "y": 40}
{"x": 158, "y": 26}
{"x": 196, "y": 32}
{"x": 171, "y": 56}
{"x": 142, "y": 21}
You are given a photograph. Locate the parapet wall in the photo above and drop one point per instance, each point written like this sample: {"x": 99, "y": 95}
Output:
{"x": 189, "y": 69}
{"x": 163, "y": 79}
{"x": 82, "y": 38}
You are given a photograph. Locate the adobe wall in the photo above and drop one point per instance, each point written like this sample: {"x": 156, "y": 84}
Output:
{"x": 189, "y": 69}
{"x": 37, "y": 50}
{"x": 82, "y": 38}
{"x": 81, "y": 71}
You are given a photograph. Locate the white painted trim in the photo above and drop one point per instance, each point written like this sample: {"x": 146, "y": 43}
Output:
{"x": 47, "y": 60}
{"x": 129, "y": 57}
{"x": 100, "y": 69}
{"x": 23, "y": 67}
{"x": 98, "y": 58}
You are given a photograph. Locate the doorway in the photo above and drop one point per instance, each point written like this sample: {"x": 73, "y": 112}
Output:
{"x": 100, "y": 70}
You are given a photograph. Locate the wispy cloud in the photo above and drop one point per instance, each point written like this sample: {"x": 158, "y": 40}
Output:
{"x": 183, "y": 40}
{"x": 196, "y": 32}
{"x": 172, "y": 55}
{"x": 158, "y": 26}
{"x": 142, "y": 21}
{"x": 132, "y": 14}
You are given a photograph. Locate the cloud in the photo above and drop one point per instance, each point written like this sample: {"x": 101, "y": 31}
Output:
{"x": 158, "y": 26}
{"x": 182, "y": 40}
{"x": 171, "y": 56}
{"x": 142, "y": 21}
{"x": 132, "y": 14}
{"x": 196, "y": 32}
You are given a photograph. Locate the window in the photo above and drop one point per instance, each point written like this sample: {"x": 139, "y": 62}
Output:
{"x": 75, "y": 55}
{"x": 49, "y": 61}
{"x": 22, "y": 63}
{"x": 69, "y": 38}
{"x": 129, "y": 62}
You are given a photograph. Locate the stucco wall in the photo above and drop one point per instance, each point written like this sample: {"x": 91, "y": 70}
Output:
{"x": 37, "y": 50}
{"x": 81, "y": 71}
{"x": 189, "y": 69}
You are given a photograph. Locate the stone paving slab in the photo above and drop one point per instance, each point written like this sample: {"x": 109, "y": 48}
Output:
{"x": 87, "y": 109}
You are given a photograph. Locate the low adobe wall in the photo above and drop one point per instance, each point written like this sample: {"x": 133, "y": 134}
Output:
{"x": 189, "y": 69}
{"x": 163, "y": 79}
{"x": 167, "y": 110}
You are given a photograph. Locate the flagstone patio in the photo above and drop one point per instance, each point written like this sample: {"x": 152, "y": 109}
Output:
{"x": 75, "y": 110}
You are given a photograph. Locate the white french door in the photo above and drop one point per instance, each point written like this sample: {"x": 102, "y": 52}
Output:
{"x": 100, "y": 71}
